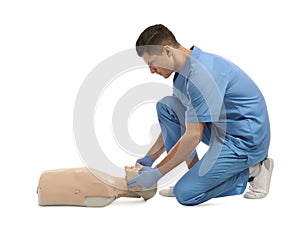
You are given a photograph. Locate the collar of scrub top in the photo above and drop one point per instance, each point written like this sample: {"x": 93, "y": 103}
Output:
{"x": 186, "y": 69}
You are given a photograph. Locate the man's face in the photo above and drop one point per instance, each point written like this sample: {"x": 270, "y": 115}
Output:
{"x": 159, "y": 64}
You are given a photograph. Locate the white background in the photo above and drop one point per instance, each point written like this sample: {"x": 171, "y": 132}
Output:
{"x": 47, "y": 48}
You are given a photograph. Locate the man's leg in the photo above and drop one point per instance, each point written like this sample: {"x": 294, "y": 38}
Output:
{"x": 171, "y": 116}
{"x": 227, "y": 176}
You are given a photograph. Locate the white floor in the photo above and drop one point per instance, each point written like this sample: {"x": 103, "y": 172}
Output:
{"x": 227, "y": 216}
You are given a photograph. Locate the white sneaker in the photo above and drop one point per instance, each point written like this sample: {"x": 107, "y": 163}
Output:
{"x": 167, "y": 192}
{"x": 259, "y": 186}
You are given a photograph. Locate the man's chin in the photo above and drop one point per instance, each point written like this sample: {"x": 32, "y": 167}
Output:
{"x": 166, "y": 76}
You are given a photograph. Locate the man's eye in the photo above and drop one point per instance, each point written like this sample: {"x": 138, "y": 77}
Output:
{"x": 151, "y": 63}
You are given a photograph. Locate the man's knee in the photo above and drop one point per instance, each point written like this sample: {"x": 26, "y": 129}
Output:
{"x": 179, "y": 193}
{"x": 168, "y": 102}
{"x": 186, "y": 196}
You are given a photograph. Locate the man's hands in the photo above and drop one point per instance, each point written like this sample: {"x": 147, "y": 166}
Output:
{"x": 147, "y": 178}
{"x": 145, "y": 161}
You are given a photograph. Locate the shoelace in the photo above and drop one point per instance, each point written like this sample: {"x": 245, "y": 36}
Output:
{"x": 252, "y": 186}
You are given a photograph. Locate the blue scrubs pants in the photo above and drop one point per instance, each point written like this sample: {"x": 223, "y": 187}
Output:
{"x": 229, "y": 173}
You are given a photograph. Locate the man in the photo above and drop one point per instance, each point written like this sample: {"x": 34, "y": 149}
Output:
{"x": 215, "y": 102}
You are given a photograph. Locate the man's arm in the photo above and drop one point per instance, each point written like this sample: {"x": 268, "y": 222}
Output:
{"x": 158, "y": 148}
{"x": 183, "y": 148}
{"x": 155, "y": 151}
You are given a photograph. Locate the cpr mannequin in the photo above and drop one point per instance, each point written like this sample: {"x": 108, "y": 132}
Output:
{"x": 82, "y": 187}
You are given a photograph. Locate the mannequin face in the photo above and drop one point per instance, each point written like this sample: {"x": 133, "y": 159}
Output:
{"x": 162, "y": 65}
{"x": 131, "y": 172}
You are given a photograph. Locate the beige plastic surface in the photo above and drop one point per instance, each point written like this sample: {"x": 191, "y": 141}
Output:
{"x": 88, "y": 202}
{"x": 80, "y": 187}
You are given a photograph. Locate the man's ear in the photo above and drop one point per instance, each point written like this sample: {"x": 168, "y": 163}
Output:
{"x": 168, "y": 50}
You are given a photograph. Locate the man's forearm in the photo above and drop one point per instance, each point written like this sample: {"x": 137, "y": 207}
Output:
{"x": 179, "y": 153}
{"x": 158, "y": 148}
{"x": 183, "y": 148}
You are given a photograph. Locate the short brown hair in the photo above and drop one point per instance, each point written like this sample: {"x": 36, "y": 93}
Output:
{"x": 155, "y": 35}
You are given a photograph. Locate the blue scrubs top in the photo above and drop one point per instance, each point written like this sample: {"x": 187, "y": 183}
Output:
{"x": 219, "y": 93}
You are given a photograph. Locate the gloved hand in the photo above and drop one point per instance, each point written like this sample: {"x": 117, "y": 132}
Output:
{"x": 147, "y": 177}
{"x": 145, "y": 161}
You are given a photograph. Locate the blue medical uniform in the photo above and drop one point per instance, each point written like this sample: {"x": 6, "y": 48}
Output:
{"x": 215, "y": 91}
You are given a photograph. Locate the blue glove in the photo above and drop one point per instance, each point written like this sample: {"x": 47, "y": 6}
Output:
{"x": 147, "y": 177}
{"x": 145, "y": 161}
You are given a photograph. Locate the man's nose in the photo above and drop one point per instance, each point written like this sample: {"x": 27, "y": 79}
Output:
{"x": 152, "y": 69}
